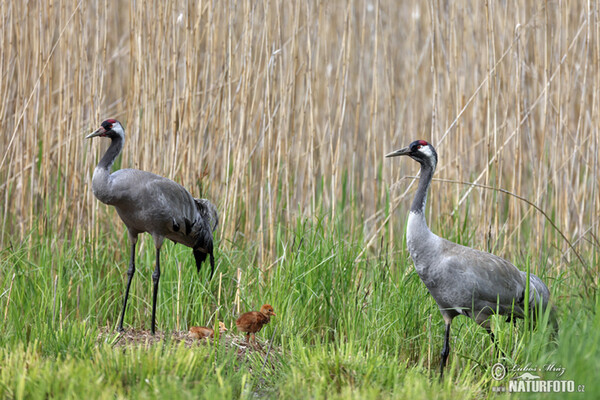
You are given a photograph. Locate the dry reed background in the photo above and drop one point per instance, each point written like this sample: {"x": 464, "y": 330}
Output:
{"x": 275, "y": 109}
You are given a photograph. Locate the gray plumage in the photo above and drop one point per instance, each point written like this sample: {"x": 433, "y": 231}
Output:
{"x": 463, "y": 281}
{"x": 151, "y": 203}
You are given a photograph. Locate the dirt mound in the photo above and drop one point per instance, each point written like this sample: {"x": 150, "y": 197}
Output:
{"x": 144, "y": 338}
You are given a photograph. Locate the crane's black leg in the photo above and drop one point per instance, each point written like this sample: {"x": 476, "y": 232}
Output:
{"x": 130, "y": 273}
{"x": 445, "y": 350}
{"x": 155, "y": 279}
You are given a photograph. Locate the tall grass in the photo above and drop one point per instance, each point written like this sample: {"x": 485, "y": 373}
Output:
{"x": 344, "y": 329}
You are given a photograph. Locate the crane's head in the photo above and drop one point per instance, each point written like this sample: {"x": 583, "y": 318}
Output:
{"x": 110, "y": 128}
{"x": 420, "y": 151}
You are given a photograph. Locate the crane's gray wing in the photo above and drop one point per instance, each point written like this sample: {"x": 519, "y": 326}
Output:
{"x": 502, "y": 286}
{"x": 470, "y": 280}
{"x": 477, "y": 284}
{"x": 151, "y": 203}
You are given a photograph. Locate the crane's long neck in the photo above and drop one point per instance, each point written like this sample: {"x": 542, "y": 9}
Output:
{"x": 116, "y": 145}
{"x": 420, "y": 200}
{"x": 101, "y": 181}
{"x": 420, "y": 240}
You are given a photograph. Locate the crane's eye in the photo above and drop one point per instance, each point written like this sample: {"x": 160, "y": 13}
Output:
{"x": 419, "y": 147}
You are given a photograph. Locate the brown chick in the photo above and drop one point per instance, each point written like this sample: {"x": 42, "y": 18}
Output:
{"x": 253, "y": 321}
{"x": 201, "y": 332}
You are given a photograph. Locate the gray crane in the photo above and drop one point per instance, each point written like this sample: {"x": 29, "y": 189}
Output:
{"x": 151, "y": 203}
{"x": 463, "y": 281}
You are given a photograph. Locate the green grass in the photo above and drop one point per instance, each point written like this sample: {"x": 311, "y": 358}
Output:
{"x": 344, "y": 328}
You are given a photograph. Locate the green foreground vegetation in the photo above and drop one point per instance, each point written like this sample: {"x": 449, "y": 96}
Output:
{"x": 345, "y": 327}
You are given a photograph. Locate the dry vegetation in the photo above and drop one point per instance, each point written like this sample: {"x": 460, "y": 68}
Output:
{"x": 272, "y": 109}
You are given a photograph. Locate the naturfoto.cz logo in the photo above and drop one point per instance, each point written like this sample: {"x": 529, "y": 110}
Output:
{"x": 528, "y": 379}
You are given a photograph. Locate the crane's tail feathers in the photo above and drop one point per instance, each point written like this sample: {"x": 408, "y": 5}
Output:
{"x": 200, "y": 257}
{"x": 538, "y": 292}
{"x": 212, "y": 265}
{"x": 208, "y": 211}
{"x": 539, "y": 300}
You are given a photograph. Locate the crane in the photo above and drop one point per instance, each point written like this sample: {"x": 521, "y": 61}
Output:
{"x": 151, "y": 203}
{"x": 462, "y": 280}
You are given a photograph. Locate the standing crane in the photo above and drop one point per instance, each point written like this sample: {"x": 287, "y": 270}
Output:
{"x": 151, "y": 203}
{"x": 463, "y": 281}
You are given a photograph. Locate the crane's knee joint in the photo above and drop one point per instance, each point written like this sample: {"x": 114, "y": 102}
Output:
{"x": 155, "y": 276}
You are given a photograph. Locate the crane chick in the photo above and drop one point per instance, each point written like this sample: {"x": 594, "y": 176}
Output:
{"x": 463, "y": 281}
{"x": 151, "y": 203}
{"x": 253, "y": 321}
{"x": 202, "y": 332}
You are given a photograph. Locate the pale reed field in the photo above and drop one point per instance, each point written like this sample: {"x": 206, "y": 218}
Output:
{"x": 275, "y": 110}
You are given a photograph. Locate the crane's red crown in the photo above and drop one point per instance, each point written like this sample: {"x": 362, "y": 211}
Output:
{"x": 107, "y": 125}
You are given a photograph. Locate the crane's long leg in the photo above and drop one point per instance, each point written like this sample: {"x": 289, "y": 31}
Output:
{"x": 130, "y": 273}
{"x": 446, "y": 348}
{"x": 483, "y": 319}
{"x": 155, "y": 279}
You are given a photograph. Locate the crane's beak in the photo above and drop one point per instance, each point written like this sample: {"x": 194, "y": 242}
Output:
{"x": 402, "y": 152}
{"x": 99, "y": 132}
